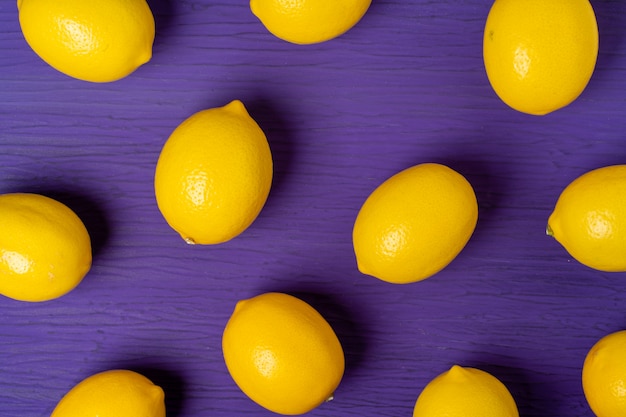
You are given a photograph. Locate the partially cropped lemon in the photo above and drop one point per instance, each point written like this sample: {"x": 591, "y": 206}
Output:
{"x": 114, "y": 393}
{"x": 604, "y": 376}
{"x": 540, "y": 55}
{"x": 282, "y": 353}
{"x": 414, "y": 224}
{"x": 589, "y": 219}
{"x": 465, "y": 392}
{"x": 309, "y": 21}
{"x": 45, "y": 249}
{"x": 94, "y": 40}
{"x": 214, "y": 175}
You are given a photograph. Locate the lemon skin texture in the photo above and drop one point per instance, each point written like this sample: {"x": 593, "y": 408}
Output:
{"x": 282, "y": 353}
{"x": 96, "y": 40}
{"x": 414, "y": 224}
{"x": 309, "y": 21}
{"x": 589, "y": 219}
{"x": 465, "y": 392}
{"x": 45, "y": 249}
{"x": 114, "y": 393}
{"x": 540, "y": 55}
{"x": 214, "y": 175}
{"x": 604, "y": 375}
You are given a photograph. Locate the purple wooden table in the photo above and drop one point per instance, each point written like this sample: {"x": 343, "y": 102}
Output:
{"x": 405, "y": 86}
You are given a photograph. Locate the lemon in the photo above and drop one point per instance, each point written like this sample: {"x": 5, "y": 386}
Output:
{"x": 95, "y": 40}
{"x": 214, "y": 175}
{"x": 309, "y": 21}
{"x": 540, "y": 55}
{"x": 465, "y": 392}
{"x": 114, "y": 393}
{"x": 45, "y": 249}
{"x": 604, "y": 376}
{"x": 589, "y": 219}
{"x": 414, "y": 224}
{"x": 282, "y": 353}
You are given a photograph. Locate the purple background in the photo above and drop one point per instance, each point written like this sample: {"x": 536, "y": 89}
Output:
{"x": 405, "y": 86}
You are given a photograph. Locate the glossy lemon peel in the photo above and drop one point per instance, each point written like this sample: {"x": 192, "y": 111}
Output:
{"x": 113, "y": 393}
{"x": 45, "y": 249}
{"x": 589, "y": 219}
{"x": 467, "y": 392}
{"x": 540, "y": 55}
{"x": 214, "y": 175}
{"x": 604, "y": 375}
{"x": 414, "y": 224}
{"x": 282, "y": 353}
{"x": 97, "y": 40}
{"x": 309, "y": 21}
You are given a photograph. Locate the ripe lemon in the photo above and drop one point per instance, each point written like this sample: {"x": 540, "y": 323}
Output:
{"x": 114, "y": 393}
{"x": 282, "y": 353}
{"x": 309, "y": 21}
{"x": 214, "y": 175}
{"x": 45, "y": 249}
{"x": 465, "y": 392}
{"x": 539, "y": 55}
{"x": 95, "y": 40}
{"x": 604, "y": 376}
{"x": 589, "y": 219}
{"x": 414, "y": 224}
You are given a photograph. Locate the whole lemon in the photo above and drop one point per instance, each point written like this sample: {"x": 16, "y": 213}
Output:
{"x": 540, "y": 55}
{"x": 45, "y": 249}
{"x": 465, "y": 392}
{"x": 282, "y": 353}
{"x": 589, "y": 219}
{"x": 414, "y": 224}
{"x": 95, "y": 40}
{"x": 604, "y": 376}
{"x": 114, "y": 393}
{"x": 309, "y": 21}
{"x": 214, "y": 175}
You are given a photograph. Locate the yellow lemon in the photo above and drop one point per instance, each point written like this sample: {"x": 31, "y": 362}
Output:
{"x": 45, "y": 249}
{"x": 604, "y": 376}
{"x": 214, "y": 175}
{"x": 282, "y": 353}
{"x": 465, "y": 392}
{"x": 114, "y": 393}
{"x": 95, "y": 40}
{"x": 539, "y": 55}
{"x": 414, "y": 224}
{"x": 589, "y": 219}
{"x": 309, "y": 21}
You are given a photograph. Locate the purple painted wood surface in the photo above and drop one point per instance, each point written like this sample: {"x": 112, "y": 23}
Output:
{"x": 405, "y": 86}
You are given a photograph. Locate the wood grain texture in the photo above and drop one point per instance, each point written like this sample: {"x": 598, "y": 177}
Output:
{"x": 405, "y": 86}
